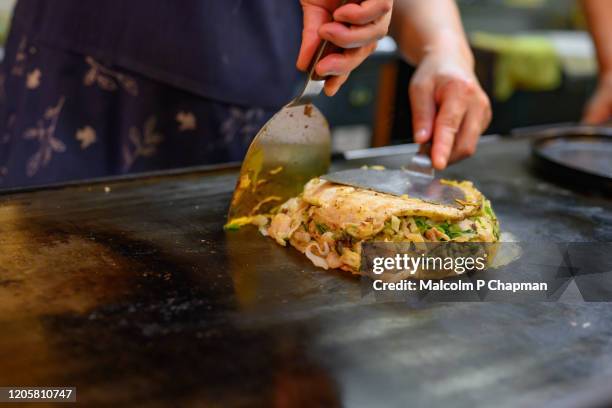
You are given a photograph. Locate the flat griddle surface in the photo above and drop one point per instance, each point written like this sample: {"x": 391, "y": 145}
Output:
{"x": 137, "y": 296}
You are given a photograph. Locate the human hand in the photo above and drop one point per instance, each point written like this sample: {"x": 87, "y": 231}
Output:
{"x": 599, "y": 108}
{"x": 449, "y": 108}
{"x": 354, "y": 27}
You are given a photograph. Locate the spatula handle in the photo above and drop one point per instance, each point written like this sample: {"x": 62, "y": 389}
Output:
{"x": 325, "y": 48}
{"x": 421, "y": 161}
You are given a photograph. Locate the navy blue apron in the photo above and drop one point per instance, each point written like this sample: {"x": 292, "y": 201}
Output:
{"x": 93, "y": 88}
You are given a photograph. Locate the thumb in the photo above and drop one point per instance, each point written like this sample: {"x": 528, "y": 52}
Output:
{"x": 423, "y": 107}
{"x": 314, "y": 17}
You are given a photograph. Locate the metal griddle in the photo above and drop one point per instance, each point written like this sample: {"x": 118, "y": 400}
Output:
{"x": 576, "y": 158}
{"x": 136, "y": 296}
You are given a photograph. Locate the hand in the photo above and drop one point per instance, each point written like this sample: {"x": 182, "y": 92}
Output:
{"x": 448, "y": 106}
{"x": 354, "y": 27}
{"x": 599, "y": 108}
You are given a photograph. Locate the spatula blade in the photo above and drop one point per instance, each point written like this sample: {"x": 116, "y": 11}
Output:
{"x": 293, "y": 147}
{"x": 399, "y": 183}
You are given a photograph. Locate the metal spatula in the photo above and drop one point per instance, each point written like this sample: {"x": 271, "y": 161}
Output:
{"x": 292, "y": 148}
{"x": 417, "y": 180}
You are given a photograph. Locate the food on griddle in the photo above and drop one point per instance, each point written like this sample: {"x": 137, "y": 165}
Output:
{"x": 329, "y": 222}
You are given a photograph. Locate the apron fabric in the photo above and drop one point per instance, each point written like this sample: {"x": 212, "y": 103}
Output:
{"x": 76, "y": 105}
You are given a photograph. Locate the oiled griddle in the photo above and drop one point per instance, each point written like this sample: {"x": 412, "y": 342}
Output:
{"x": 136, "y": 296}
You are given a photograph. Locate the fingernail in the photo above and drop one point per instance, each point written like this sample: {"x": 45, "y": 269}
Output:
{"x": 329, "y": 92}
{"x": 439, "y": 162}
{"x": 420, "y": 135}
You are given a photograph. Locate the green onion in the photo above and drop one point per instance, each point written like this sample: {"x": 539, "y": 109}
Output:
{"x": 451, "y": 230}
{"x": 421, "y": 224}
{"x": 489, "y": 211}
{"x": 322, "y": 228}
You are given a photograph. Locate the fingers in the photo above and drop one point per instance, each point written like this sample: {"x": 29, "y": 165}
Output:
{"x": 333, "y": 84}
{"x": 598, "y": 110}
{"x": 357, "y": 30}
{"x": 314, "y": 17}
{"x": 447, "y": 124}
{"x": 354, "y": 36}
{"x": 368, "y": 22}
{"x": 475, "y": 122}
{"x": 339, "y": 64}
{"x": 449, "y": 108}
{"x": 423, "y": 109}
{"x": 338, "y": 67}
{"x": 366, "y": 12}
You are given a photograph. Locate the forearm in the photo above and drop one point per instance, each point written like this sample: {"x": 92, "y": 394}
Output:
{"x": 421, "y": 27}
{"x": 599, "y": 15}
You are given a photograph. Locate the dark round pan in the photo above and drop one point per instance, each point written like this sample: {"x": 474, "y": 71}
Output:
{"x": 576, "y": 156}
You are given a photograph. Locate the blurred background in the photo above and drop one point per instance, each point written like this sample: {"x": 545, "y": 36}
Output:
{"x": 534, "y": 58}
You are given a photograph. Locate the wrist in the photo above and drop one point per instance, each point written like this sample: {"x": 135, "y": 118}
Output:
{"x": 449, "y": 44}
